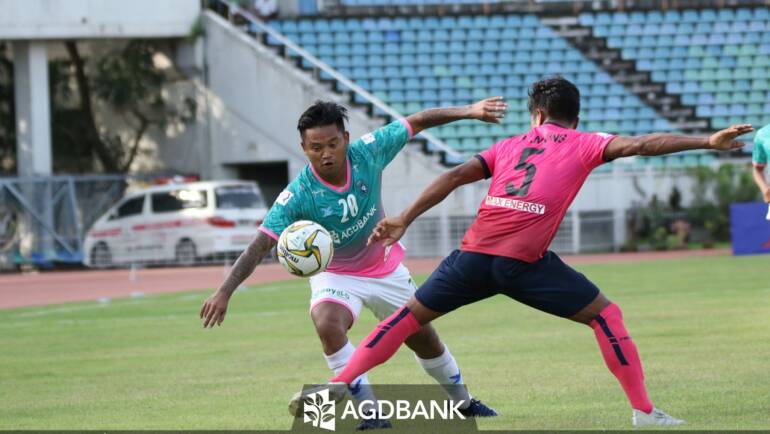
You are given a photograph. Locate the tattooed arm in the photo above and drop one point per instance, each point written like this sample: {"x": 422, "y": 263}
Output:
{"x": 214, "y": 308}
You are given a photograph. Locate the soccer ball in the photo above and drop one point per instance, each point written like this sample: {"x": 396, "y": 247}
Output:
{"x": 305, "y": 248}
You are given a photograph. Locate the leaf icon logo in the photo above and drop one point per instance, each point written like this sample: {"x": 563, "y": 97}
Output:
{"x": 319, "y": 410}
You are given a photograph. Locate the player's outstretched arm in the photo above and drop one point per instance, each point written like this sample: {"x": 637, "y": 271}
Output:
{"x": 759, "y": 178}
{"x": 490, "y": 110}
{"x": 214, "y": 308}
{"x": 661, "y": 144}
{"x": 391, "y": 229}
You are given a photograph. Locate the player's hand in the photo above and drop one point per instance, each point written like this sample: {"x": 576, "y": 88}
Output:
{"x": 214, "y": 309}
{"x": 724, "y": 140}
{"x": 388, "y": 231}
{"x": 490, "y": 110}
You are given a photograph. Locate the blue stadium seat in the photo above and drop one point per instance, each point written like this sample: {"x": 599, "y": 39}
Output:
{"x": 719, "y": 66}
{"x": 287, "y": 26}
{"x": 464, "y": 95}
{"x": 587, "y": 19}
{"x": 412, "y": 84}
{"x": 672, "y": 16}
{"x": 428, "y": 95}
{"x": 690, "y": 16}
{"x": 513, "y": 21}
{"x": 495, "y": 22}
{"x": 708, "y": 15}
{"x": 306, "y": 26}
{"x": 531, "y": 21}
{"x": 396, "y": 96}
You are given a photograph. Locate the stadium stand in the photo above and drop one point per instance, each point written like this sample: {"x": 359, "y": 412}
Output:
{"x": 715, "y": 60}
{"x": 417, "y": 62}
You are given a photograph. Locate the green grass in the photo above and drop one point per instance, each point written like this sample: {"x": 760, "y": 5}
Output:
{"x": 702, "y": 327}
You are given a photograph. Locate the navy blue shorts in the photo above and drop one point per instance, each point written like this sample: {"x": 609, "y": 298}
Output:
{"x": 549, "y": 284}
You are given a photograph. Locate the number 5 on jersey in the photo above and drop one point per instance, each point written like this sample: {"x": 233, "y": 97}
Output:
{"x": 523, "y": 189}
{"x": 350, "y": 205}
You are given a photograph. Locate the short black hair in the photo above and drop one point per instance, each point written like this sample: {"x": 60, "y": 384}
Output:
{"x": 557, "y": 96}
{"x": 322, "y": 113}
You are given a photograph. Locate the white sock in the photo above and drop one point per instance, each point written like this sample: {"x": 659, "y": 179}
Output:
{"x": 360, "y": 389}
{"x": 444, "y": 369}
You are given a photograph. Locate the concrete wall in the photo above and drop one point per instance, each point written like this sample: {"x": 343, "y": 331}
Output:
{"x": 256, "y": 98}
{"x": 623, "y": 189}
{"x": 69, "y": 19}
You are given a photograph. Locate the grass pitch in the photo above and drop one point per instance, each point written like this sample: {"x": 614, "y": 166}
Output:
{"x": 702, "y": 327}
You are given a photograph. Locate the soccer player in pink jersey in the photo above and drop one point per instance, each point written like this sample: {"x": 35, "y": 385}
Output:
{"x": 535, "y": 177}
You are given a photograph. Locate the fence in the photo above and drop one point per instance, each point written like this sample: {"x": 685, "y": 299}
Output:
{"x": 437, "y": 236}
{"x": 45, "y": 221}
{"x": 48, "y": 221}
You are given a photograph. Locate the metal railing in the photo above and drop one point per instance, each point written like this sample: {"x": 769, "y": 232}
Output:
{"x": 232, "y": 11}
{"x": 579, "y": 232}
{"x": 44, "y": 219}
{"x": 542, "y": 7}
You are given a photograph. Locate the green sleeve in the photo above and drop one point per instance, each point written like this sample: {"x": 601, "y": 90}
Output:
{"x": 382, "y": 145}
{"x": 759, "y": 156}
{"x": 285, "y": 210}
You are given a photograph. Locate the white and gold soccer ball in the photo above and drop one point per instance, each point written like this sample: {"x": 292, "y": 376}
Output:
{"x": 305, "y": 248}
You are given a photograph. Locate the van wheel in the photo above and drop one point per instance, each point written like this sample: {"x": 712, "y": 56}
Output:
{"x": 101, "y": 256}
{"x": 185, "y": 253}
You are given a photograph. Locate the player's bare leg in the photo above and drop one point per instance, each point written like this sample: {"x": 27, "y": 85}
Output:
{"x": 422, "y": 314}
{"x": 332, "y": 322}
{"x": 589, "y": 313}
{"x": 622, "y": 359}
{"x": 425, "y": 343}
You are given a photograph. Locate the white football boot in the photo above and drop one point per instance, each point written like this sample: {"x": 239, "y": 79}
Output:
{"x": 337, "y": 392}
{"x": 654, "y": 418}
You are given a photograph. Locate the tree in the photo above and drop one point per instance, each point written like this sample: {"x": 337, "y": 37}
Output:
{"x": 103, "y": 105}
{"x": 714, "y": 191}
{"x": 7, "y": 114}
{"x": 675, "y": 199}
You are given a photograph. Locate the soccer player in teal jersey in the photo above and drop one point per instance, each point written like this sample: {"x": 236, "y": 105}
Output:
{"x": 759, "y": 159}
{"x": 341, "y": 190}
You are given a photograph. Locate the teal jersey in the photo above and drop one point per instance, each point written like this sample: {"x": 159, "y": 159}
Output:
{"x": 350, "y": 212}
{"x": 761, "y": 146}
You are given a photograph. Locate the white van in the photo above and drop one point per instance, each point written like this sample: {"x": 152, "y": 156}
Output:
{"x": 180, "y": 223}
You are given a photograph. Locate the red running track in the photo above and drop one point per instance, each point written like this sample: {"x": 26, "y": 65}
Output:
{"x": 38, "y": 289}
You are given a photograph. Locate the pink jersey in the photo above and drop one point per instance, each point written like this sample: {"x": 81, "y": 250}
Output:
{"x": 535, "y": 177}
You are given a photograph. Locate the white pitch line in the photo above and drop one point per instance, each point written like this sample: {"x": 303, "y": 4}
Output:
{"x": 154, "y": 318}
{"x": 61, "y": 309}
{"x": 200, "y": 295}
{"x": 136, "y": 298}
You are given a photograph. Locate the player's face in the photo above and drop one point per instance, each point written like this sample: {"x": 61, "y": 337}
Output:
{"x": 326, "y": 147}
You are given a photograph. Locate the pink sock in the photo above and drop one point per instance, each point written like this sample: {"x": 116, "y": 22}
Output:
{"x": 380, "y": 345}
{"x": 621, "y": 356}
